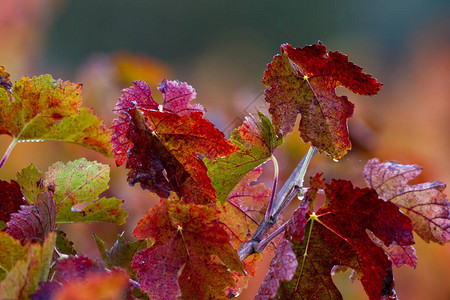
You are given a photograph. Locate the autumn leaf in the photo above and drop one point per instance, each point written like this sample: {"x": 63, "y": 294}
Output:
{"x": 178, "y": 96}
{"x": 75, "y": 267}
{"x": 10, "y": 200}
{"x": 192, "y": 255}
{"x": 34, "y": 222}
{"x": 282, "y": 267}
{"x": 303, "y": 81}
{"x": 80, "y": 182}
{"x": 45, "y": 109}
{"x": 336, "y": 236}
{"x": 424, "y": 203}
{"x": 33, "y": 267}
{"x": 256, "y": 140}
{"x": 162, "y": 147}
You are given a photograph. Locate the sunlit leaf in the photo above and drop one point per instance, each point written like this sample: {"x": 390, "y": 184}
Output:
{"x": 256, "y": 140}
{"x": 80, "y": 182}
{"x": 336, "y": 236}
{"x": 192, "y": 255}
{"x": 45, "y": 109}
{"x": 303, "y": 81}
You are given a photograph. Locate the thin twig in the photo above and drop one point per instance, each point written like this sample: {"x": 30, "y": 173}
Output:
{"x": 8, "y": 151}
{"x": 274, "y": 188}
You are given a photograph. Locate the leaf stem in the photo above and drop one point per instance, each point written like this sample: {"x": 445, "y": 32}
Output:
{"x": 263, "y": 244}
{"x": 295, "y": 180}
{"x": 291, "y": 188}
{"x": 8, "y": 151}
{"x": 274, "y": 188}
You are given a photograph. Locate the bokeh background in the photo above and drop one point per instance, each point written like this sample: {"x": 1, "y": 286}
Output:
{"x": 222, "y": 48}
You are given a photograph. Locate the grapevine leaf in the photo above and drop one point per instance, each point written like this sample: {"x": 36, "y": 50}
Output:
{"x": 336, "y": 236}
{"x": 10, "y": 200}
{"x": 177, "y": 97}
{"x": 303, "y": 81}
{"x": 121, "y": 254}
{"x": 22, "y": 280}
{"x": 11, "y": 251}
{"x": 45, "y": 109}
{"x": 192, "y": 255}
{"x": 34, "y": 222}
{"x": 79, "y": 182}
{"x": 282, "y": 267}
{"x": 162, "y": 146}
{"x": 256, "y": 140}
{"x": 425, "y": 203}
{"x": 30, "y": 180}
{"x": 72, "y": 268}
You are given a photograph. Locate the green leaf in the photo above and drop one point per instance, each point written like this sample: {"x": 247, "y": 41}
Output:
{"x": 64, "y": 245}
{"x": 30, "y": 181}
{"x": 45, "y": 109}
{"x": 24, "y": 277}
{"x": 11, "y": 250}
{"x": 256, "y": 140}
{"x": 80, "y": 182}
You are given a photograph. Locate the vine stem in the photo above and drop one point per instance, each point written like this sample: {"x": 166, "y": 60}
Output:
{"x": 291, "y": 188}
{"x": 8, "y": 151}
{"x": 274, "y": 188}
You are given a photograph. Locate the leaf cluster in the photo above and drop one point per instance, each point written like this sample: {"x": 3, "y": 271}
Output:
{"x": 213, "y": 222}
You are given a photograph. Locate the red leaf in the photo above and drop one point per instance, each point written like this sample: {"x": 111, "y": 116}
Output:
{"x": 177, "y": 97}
{"x": 398, "y": 255}
{"x": 424, "y": 203}
{"x": 10, "y": 200}
{"x": 282, "y": 267}
{"x": 303, "y": 81}
{"x": 34, "y": 222}
{"x": 192, "y": 255}
{"x": 336, "y": 235}
{"x": 163, "y": 146}
{"x": 73, "y": 267}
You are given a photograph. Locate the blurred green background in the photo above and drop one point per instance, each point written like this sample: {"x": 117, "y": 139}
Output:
{"x": 222, "y": 48}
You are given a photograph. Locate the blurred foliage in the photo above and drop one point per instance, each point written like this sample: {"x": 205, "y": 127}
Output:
{"x": 221, "y": 48}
